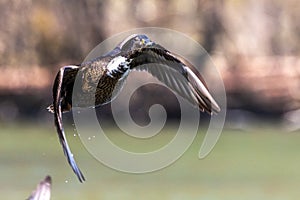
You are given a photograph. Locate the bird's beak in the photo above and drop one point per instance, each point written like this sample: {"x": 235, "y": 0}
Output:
{"x": 146, "y": 42}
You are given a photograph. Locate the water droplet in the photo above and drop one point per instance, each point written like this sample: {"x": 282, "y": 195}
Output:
{"x": 74, "y": 134}
{"x": 66, "y": 181}
{"x": 89, "y": 138}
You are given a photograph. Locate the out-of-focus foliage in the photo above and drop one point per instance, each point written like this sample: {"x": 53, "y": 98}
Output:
{"x": 48, "y": 32}
{"x": 255, "y": 44}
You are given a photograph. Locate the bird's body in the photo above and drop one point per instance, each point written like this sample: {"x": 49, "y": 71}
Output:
{"x": 98, "y": 81}
{"x": 101, "y": 81}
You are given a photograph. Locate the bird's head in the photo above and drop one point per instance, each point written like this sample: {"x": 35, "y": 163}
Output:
{"x": 134, "y": 42}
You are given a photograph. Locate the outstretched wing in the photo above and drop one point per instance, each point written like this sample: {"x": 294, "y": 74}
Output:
{"x": 59, "y": 96}
{"x": 42, "y": 191}
{"x": 175, "y": 72}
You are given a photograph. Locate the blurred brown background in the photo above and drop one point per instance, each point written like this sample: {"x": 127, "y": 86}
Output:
{"x": 254, "y": 44}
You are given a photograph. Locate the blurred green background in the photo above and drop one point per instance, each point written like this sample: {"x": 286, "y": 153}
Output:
{"x": 261, "y": 164}
{"x": 254, "y": 45}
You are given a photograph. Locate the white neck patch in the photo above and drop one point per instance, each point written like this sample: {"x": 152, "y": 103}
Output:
{"x": 116, "y": 65}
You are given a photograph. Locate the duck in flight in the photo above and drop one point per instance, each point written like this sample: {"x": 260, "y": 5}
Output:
{"x": 104, "y": 76}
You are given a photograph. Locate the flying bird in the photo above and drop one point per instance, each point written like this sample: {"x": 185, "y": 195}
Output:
{"x": 102, "y": 78}
{"x": 42, "y": 191}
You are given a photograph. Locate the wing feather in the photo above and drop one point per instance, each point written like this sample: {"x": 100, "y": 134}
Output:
{"x": 175, "y": 72}
{"x": 58, "y": 91}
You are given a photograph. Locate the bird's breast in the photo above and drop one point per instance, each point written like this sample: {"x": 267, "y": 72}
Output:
{"x": 94, "y": 91}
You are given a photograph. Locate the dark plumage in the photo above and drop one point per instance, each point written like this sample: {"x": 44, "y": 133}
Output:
{"x": 101, "y": 79}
